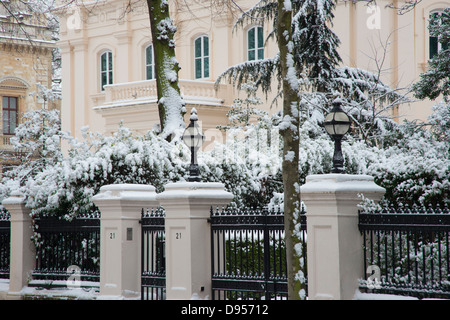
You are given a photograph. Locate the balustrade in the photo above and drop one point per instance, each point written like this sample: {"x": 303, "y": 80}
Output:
{"x": 203, "y": 91}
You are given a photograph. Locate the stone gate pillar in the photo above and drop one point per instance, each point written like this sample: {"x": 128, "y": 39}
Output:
{"x": 120, "y": 237}
{"x": 335, "y": 245}
{"x": 188, "y": 240}
{"x": 22, "y": 251}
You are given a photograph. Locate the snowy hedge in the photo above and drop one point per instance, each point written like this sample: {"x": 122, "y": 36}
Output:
{"x": 416, "y": 168}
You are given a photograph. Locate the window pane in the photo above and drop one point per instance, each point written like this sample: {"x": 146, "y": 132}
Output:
{"x": 5, "y": 102}
{"x": 110, "y": 77}
{"x": 110, "y": 61}
{"x": 206, "y": 46}
{"x": 12, "y": 121}
{"x": 5, "y": 122}
{"x": 198, "y": 47}
{"x": 433, "y": 46}
{"x": 103, "y": 62}
{"x": 261, "y": 54}
{"x": 260, "y": 37}
{"x": 251, "y": 55}
{"x": 104, "y": 80}
{"x": 13, "y": 103}
{"x": 149, "y": 73}
{"x": 251, "y": 38}
{"x": 206, "y": 68}
{"x": 198, "y": 68}
{"x": 149, "y": 55}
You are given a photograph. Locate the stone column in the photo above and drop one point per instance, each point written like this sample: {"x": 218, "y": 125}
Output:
{"x": 22, "y": 251}
{"x": 120, "y": 237}
{"x": 335, "y": 245}
{"x": 188, "y": 236}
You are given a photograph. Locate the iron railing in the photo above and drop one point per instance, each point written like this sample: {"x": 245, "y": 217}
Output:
{"x": 248, "y": 254}
{"x": 153, "y": 263}
{"x": 5, "y": 236}
{"x": 406, "y": 251}
{"x": 64, "y": 247}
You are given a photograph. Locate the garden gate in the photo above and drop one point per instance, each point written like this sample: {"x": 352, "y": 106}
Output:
{"x": 5, "y": 235}
{"x": 153, "y": 266}
{"x": 249, "y": 254}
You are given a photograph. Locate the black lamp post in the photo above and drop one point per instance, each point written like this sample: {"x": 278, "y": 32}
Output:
{"x": 193, "y": 138}
{"x": 337, "y": 124}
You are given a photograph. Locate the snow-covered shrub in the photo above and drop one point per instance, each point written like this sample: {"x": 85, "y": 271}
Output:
{"x": 412, "y": 167}
{"x": 37, "y": 143}
{"x": 415, "y": 170}
{"x": 68, "y": 186}
{"x": 64, "y": 184}
{"x": 247, "y": 164}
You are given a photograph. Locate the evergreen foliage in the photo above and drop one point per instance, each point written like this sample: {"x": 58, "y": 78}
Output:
{"x": 436, "y": 80}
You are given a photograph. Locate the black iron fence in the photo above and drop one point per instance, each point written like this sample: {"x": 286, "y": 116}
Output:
{"x": 153, "y": 263}
{"x": 5, "y": 236}
{"x": 406, "y": 251}
{"x": 248, "y": 254}
{"x": 67, "y": 250}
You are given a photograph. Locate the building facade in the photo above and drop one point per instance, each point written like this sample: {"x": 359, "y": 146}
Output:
{"x": 108, "y": 62}
{"x": 26, "y": 47}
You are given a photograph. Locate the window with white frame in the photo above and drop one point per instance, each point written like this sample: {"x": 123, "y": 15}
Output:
{"x": 255, "y": 43}
{"x": 106, "y": 64}
{"x": 149, "y": 63}
{"x": 201, "y": 57}
{"x": 435, "y": 45}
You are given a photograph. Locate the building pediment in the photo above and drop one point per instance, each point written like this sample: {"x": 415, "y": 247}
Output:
{"x": 13, "y": 83}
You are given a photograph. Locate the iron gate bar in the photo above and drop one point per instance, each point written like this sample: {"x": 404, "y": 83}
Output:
{"x": 263, "y": 231}
{"x": 404, "y": 242}
{"x": 5, "y": 240}
{"x": 65, "y": 243}
{"x": 153, "y": 269}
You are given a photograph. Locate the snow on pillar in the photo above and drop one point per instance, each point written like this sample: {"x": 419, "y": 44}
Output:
{"x": 120, "y": 237}
{"x": 335, "y": 245}
{"x": 22, "y": 251}
{"x": 188, "y": 241}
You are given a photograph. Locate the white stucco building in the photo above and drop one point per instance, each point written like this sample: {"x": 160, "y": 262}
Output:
{"x": 107, "y": 73}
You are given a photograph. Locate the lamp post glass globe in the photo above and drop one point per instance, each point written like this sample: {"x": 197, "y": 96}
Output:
{"x": 193, "y": 138}
{"x": 337, "y": 124}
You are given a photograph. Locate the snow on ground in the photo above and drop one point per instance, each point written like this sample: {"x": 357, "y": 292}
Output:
{"x": 92, "y": 294}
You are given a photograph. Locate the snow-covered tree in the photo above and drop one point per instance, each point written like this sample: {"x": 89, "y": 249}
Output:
{"x": 307, "y": 70}
{"x": 245, "y": 113}
{"x": 171, "y": 106}
{"x": 37, "y": 140}
{"x": 436, "y": 80}
{"x": 440, "y": 121}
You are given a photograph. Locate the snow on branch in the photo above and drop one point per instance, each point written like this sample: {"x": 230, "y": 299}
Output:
{"x": 260, "y": 72}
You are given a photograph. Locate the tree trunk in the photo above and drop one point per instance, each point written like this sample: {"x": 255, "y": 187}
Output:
{"x": 290, "y": 134}
{"x": 170, "y": 104}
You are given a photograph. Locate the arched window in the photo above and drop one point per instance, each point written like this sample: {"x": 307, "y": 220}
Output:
{"x": 201, "y": 57}
{"x": 149, "y": 63}
{"x": 106, "y": 63}
{"x": 435, "y": 45}
{"x": 255, "y": 43}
